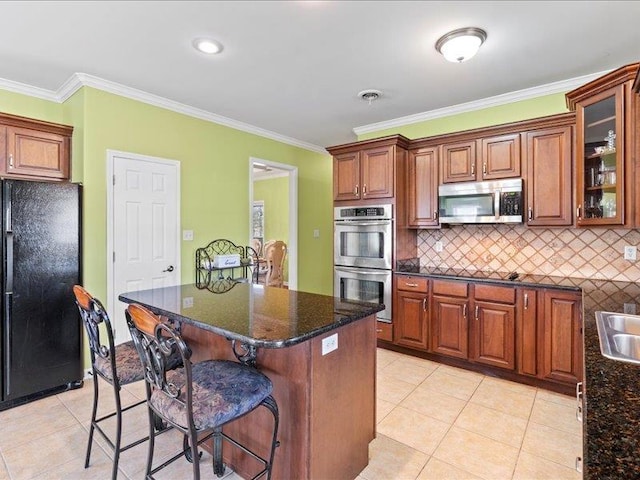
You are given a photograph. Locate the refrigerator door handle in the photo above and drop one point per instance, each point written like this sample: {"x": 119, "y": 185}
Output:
{"x": 7, "y": 206}
{"x": 8, "y": 301}
{"x": 8, "y": 274}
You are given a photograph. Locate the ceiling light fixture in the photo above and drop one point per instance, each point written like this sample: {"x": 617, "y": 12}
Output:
{"x": 370, "y": 95}
{"x": 461, "y": 44}
{"x": 206, "y": 45}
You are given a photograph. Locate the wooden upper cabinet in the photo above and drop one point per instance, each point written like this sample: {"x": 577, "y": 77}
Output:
{"x": 422, "y": 188}
{"x": 607, "y": 148}
{"x": 548, "y": 180}
{"x": 370, "y": 169}
{"x": 34, "y": 149}
{"x": 479, "y": 159}
{"x": 459, "y": 162}
{"x": 346, "y": 176}
{"x": 499, "y": 157}
{"x": 377, "y": 172}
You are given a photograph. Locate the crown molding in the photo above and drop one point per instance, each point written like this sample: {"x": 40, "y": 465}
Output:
{"x": 79, "y": 80}
{"x": 519, "y": 95}
{"x": 29, "y": 90}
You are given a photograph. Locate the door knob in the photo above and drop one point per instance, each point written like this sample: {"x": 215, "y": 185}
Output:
{"x": 169, "y": 269}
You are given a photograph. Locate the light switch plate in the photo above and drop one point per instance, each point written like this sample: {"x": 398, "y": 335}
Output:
{"x": 316, "y": 233}
{"x": 187, "y": 235}
{"x": 187, "y": 302}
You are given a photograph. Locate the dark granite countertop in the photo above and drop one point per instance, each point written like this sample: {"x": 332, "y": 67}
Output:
{"x": 612, "y": 389}
{"x": 506, "y": 278}
{"x": 260, "y": 316}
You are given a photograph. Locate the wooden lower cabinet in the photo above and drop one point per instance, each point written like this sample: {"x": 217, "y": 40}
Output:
{"x": 411, "y": 312}
{"x": 492, "y": 331}
{"x": 449, "y": 326}
{"x": 527, "y": 331}
{"x": 561, "y": 333}
{"x": 549, "y": 339}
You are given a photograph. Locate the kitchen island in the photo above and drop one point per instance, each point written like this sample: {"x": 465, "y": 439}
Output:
{"x": 320, "y": 354}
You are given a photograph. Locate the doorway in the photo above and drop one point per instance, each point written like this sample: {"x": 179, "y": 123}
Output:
{"x": 269, "y": 172}
{"x": 143, "y": 228}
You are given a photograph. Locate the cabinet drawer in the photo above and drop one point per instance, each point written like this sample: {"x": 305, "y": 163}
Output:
{"x": 493, "y": 293}
{"x": 384, "y": 331}
{"x": 413, "y": 284}
{"x": 450, "y": 289}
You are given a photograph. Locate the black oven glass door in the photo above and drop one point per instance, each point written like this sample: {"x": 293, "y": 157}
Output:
{"x": 363, "y": 244}
{"x": 365, "y": 286}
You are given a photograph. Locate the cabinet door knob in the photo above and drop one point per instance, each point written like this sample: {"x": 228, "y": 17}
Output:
{"x": 364, "y": 189}
{"x": 477, "y": 317}
{"x": 424, "y": 304}
{"x": 464, "y": 311}
{"x": 578, "y": 213}
{"x": 473, "y": 169}
{"x": 411, "y": 284}
{"x": 530, "y": 213}
{"x": 355, "y": 191}
{"x": 526, "y": 301}
{"x": 484, "y": 168}
{"x": 11, "y": 160}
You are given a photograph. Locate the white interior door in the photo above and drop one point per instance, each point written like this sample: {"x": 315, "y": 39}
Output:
{"x": 145, "y": 224}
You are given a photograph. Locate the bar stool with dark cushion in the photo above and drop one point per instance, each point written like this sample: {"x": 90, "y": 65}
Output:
{"x": 118, "y": 365}
{"x": 197, "y": 399}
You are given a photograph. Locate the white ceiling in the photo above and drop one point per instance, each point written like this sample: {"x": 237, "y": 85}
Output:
{"x": 294, "y": 68}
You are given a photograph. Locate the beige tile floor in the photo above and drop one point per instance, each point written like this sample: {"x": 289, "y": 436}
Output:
{"x": 434, "y": 422}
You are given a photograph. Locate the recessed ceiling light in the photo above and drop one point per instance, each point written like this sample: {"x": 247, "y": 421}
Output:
{"x": 206, "y": 45}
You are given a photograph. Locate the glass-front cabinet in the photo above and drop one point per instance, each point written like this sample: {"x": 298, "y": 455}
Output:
{"x": 600, "y": 159}
{"x": 606, "y": 110}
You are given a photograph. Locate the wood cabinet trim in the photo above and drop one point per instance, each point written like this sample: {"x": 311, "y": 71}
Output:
{"x": 399, "y": 140}
{"x": 33, "y": 124}
{"x": 621, "y": 75}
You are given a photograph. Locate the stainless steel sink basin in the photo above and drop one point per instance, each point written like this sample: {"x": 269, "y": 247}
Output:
{"x": 619, "y": 336}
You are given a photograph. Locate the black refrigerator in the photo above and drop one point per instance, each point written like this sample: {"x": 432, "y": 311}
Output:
{"x": 40, "y": 352}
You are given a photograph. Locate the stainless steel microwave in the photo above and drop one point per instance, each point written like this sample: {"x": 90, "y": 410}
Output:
{"x": 497, "y": 201}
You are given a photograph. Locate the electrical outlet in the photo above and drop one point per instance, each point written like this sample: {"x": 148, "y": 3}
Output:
{"x": 630, "y": 308}
{"x": 630, "y": 252}
{"x": 187, "y": 235}
{"x": 316, "y": 233}
{"x": 329, "y": 344}
{"x": 187, "y": 302}
{"x": 438, "y": 246}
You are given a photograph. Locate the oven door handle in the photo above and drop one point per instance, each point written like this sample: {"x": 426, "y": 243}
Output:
{"x": 362, "y": 271}
{"x": 356, "y": 223}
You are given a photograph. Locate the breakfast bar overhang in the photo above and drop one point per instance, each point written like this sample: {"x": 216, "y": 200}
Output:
{"x": 320, "y": 354}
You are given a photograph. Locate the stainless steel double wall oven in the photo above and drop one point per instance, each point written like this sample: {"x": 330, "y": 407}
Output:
{"x": 363, "y": 254}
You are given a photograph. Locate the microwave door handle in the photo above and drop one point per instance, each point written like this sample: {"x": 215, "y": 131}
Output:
{"x": 496, "y": 204}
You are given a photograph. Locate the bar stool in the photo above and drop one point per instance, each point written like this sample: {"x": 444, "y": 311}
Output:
{"x": 118, "y": 365}
{"x": 198, "y": 399}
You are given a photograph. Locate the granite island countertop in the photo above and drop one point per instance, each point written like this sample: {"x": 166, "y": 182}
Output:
{"x": 256, "y": 315}
{"x": 611, "y": 426}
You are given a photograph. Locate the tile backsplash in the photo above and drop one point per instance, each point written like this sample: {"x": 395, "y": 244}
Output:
{"x": 595, "y": 253}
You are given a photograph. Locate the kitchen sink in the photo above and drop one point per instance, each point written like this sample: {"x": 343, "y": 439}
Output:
{"x": 619, "y": 336}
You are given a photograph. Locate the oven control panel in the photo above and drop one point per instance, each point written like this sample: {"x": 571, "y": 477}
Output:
{"x": 372, "y": 212}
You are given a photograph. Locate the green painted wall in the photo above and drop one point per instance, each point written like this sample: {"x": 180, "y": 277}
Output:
{"x": 214, "y": 177}
{"x": 275, "y": 194}
{"x": 512, "y": 112}
{"x": 214, "y": 181}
